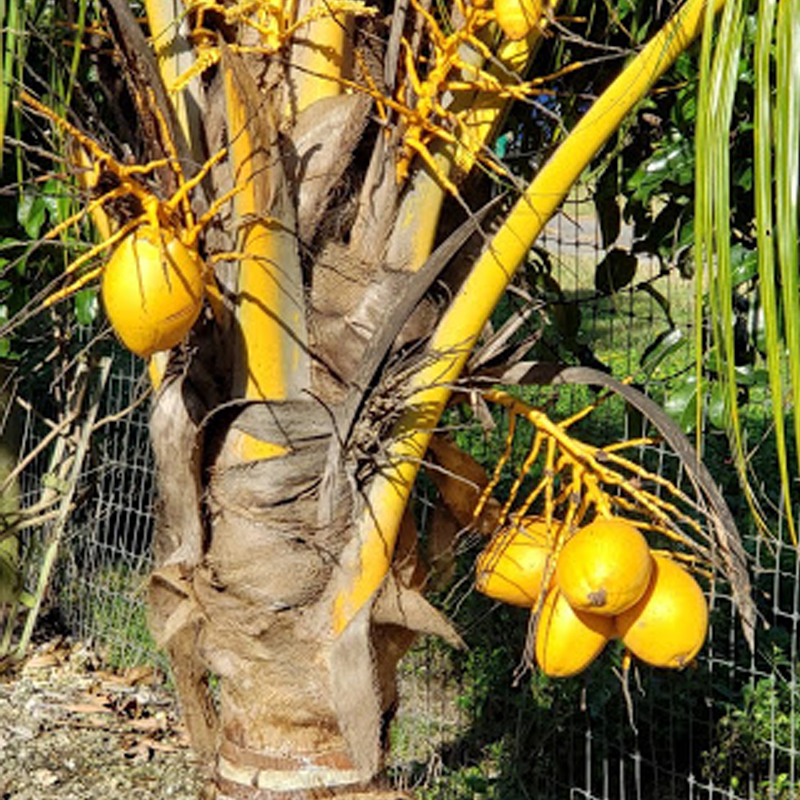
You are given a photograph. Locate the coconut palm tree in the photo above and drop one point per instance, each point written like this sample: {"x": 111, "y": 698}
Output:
{"x": 304, "y": 174}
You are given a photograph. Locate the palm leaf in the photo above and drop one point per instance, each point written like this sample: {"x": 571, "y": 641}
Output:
{"x": 766, "y": 247}
{"x": 9, "y": 41}
{"x": 718, "y": 84}
{"x": 787, "y": 175}
{"x": 776, "y": 219}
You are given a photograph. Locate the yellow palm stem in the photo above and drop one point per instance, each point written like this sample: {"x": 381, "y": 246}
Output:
{"x": 175, "y": 57}
{"x": 272, "y": 342}
{"x": 458, "y": 331}
{"x": 322, "y": 54}
{"x": 157, "y": 368}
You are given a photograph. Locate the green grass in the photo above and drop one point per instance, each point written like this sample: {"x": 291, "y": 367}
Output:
{"x": 112, "y": 606}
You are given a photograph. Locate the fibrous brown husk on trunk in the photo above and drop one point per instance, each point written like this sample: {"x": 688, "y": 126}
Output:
{"x": 250, "y": 556}
{"x": 242, "y": 593}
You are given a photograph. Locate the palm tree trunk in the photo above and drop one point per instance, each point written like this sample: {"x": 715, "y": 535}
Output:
{"x": 241, "y": 598}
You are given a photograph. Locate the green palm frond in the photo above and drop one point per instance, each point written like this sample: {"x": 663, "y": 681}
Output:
{"x": 718, "y": 77}
{"x": 10, "y": 17}
{"x": 776, "y": 164}
{"x": 787, "y": 176}
{"x": 766, "y": 241}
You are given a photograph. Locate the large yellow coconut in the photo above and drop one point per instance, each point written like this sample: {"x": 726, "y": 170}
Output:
{"x": 567, "y": 640}
{"x": 512, "y": 567}
{"x": 152, "y": 292}
{"x": 668, "y": 626}
{"x": 605, "y": 567}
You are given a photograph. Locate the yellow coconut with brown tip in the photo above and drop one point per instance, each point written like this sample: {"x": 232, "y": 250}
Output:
{"x": 152, "y": 290}
{"x": 669, "y": 624}
{"x": 605, "y": 567}
{"x": 567, "y": 640}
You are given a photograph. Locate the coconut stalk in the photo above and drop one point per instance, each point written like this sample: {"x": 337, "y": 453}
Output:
{"x": 321, "y": 56}
{"x": 271, "y": 340}
{"x": 418, "y": 218}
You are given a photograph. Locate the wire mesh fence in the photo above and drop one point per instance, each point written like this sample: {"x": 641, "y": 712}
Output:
{"x": 104, "y": 564}
{"x": 104, "y": 548}
{"x": 468, "y": 724}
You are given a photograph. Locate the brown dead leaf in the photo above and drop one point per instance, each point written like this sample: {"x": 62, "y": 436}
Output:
{"x": 136, "y": 676}
{"x": 136, "y": 749}
{"x": 133, "y": 676}
{"x": 41, "y": 661}
{"x": 147, "y": 724}
{"x": 87, "y": 708}
{"x": 440, "y": 551}
{"x": 110, "y": 678}
{"x": 181, "y": 735}
{"x": 460, "y": 480}
{"x": 162, "y": 747}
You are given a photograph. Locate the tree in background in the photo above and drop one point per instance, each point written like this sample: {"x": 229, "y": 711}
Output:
{"x": 282, "y": 197}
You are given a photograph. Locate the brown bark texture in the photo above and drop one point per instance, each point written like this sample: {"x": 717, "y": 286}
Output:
{"x": 241, "y": 597}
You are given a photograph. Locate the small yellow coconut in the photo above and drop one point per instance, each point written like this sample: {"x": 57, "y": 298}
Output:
{"x": 512, "y": 567}
{"x": 567, "y": 640}
{"x": 668, "y": 626}
{"x": 517, "y": 18}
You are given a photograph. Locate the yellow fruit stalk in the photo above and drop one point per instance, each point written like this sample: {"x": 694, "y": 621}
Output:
{"x": 88, "y": 173}
{"x": 418, "y": 217}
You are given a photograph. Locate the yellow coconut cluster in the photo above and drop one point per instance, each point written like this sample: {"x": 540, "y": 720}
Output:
{"x": 604, "y": 583}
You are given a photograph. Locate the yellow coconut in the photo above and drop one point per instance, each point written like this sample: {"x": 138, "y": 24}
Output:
{"x": 152, "y": 292}
{"x": 567, "y": 640}
{"x": 605, "y": 567}
{"x": 512, "y": 567}
{"x": 668, "y": 626}
{"x": 517, "y": 18}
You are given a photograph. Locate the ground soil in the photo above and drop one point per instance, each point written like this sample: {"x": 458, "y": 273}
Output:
{"x": 72, "y": 730}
